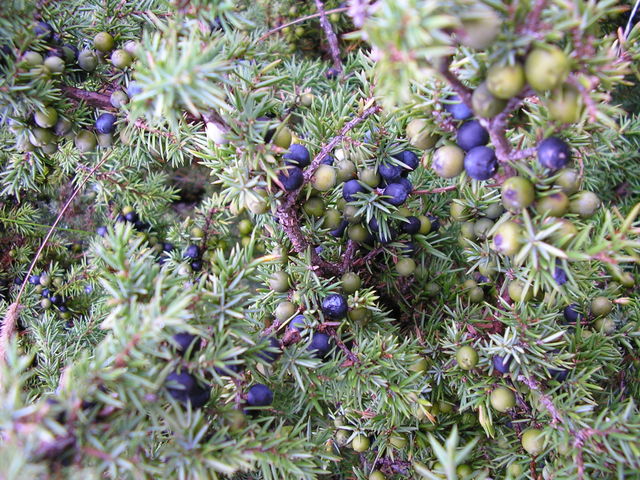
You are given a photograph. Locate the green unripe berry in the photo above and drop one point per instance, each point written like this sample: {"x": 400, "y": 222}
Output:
{"x": 405, "y": 267}
{"x": 377, "y": 475}
{"x": 432, "y": 289}
{"x": 480, "y": 27}
{"x": 502, "y": 399}
{"x": 87, "y": 60}
{"x": 331, "y": 219}
{"x": 346, "y": 170}
{"x": 85, "y": 141}
{"x": 469, "y": 283}
{"x": 103, "y": 42}
{"x": 279, "y": 282}
{"x": 370, "y": 176}
{"x": 517, "y": 193}
{"x": 46, "y": 118}
{"x": 314, "y": 207}
{"x": 306, "y": 99}
{"x": 360, "y": 443}
{"x": 585, "y": 204}
{"x": 399, "y": 441}
{"x": 358, "y": 233}
{"x": 420, "y": 135}
{"x": 466, "y": 357}
{"x": 464, "y": 470}
{"x": 565, "y": 104}
{"x": 324, "y": 178}
{"x": 467, "y": 230}
{"x": 118, "y": 98}
{"x": 351, "y": 282}
{"x": 425, "y": 224}
{"x": 121, "y": 59}
{"x": 458, "y": 211}
{"x": 54, "y": 64}
{"x": 494, "y": 211}
{"x": 517, "y": 291}
{"x": 487, "y": 268}
{"x": 554, "y": 205}
{"x": 533, "y": 441}
{"x": 105, "y": 140}
{"x": 505, "y": 81}
{"x": 601, "y": 306}
{"x": 476, "y": 295}
{"x": 351, "y": 214}
{"x": 257, "y": 203}
{"x": 245, "y": 227}
{"x": 283, "y": 137}
{"x": 359, "y": 315}
{"x": 482, "y": 227}
{"x": 448, "y": 161}
{"x": 39, "y": 137}
{"x": 284, "y": 311}
{"x": 484, "y": 104}
{"x": 546, "y": 68}
{"x": 508, "y": 238}
{"x": 420, "y": 366}
{"x": 32, "y": 58}
{"x": 568, "y": 180}
{"x": 605, "y": 325}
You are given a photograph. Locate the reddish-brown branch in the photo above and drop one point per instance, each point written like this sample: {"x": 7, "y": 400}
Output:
{"x": 331, "y": 36}
{"x": 300, "y": 20}
{"x": 94, "y": 99}
{"x": 463, "y": 91}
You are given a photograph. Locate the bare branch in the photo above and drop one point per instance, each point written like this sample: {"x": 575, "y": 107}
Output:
{"x": 331, "y": 36}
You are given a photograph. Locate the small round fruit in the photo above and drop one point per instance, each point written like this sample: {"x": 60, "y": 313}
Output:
{"x": 85, "y": 141}
{"x": 314, "y": 207}
{"x": 334, "y": 306}
{"x": 106, "y": 123}
{"x": 54, "y": 64}
{"x": 482, "y": 227}
{"x": 467, "y": 230}
{"x": 377, "y": 475}
{"x": 420, "y": 135}
{"x": 425, "y": 224}
{"x": 565, "y": 233}
{"x": 351, "y": 282}
{"x": 399, "y": 441}
{"x": 484, "y": 104}
{"x": 448, "y": 161}
{"x": 360, "y": 443}
{"x": 601, "y": 306}
{"x": 358, "y": 233}
{"x": 480, "y": 163}
{"x": 103, "y": 42}
{"x": 121, "y": 59}
{"x": 458, "y": 211}
{"x": 515, "y": 470}
{"x": 282, "y": 137}
{"x": 324, "y": 178}
{"x": 46, "y": 118}
{"x": 546, "y": 68}
{"x": 476, "y": 295}
{"x": 350, "y": 189}
{"x": 32, "y": 58}
{"x": 494, "y": 211}
{"x": 553, "y": 153}
{"x": 405, "y": 267}
{"x": 346, "y": 170}
{"x": 370, "y": 177}
{"x": 505, "y": 81}
{"x": 508, "y": 238}
{"x": 245, "y": 227}
{"x": 517, "y": 193}
{"x": 585, "y": 204}
{"x": 471, "y": 134}
{"x": 464, "y": 470}
{"x": 259, "y": 395}
{"x": 397, "y": 193}
{"x": 118, "y": 98}
{"x": 533, "y": 441}
{"x": 466, "y": 357}
{"x": 39, "y": 137}
{"x": 306, "y": 99}
{"x": 284, "y": 311}
{"x": 105, "y": 140}
{"x": 519, "y": 292}
{"x": 457, "y": 109}
{"x": 565, "y": 104}
{"x": 279, "y": 282}
{"x": 331, "y": 219}
{"x": 554, "y": 205}
{"x": 420, "y": 366}
{"x": 291, "y": 178}
{"x": 360, "y": 315}
{"x": 605, "y": 325}
{"x": 568, "y": 180}
{"x": 480, "y": 26}
{"x": 320, "y": 344}
{"x": 502, "y": 399}
{"x": 87, "y": 60}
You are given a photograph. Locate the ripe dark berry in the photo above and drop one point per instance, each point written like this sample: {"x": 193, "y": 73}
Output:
{"x": 182, "y": 341}
{"x": 46, "y": 293}
{"x": 131, "y": 217}
{"x": 409, "y": 159}
{"x": 291, "y": 178}
{"x": 56, "y": 299}
{"x": 397, "y": 194}
{"x": 559, "y": 374}
{"x": 471, "y": 134}
{"x": 571, "y": 313}
{"x": 553, "y": 153}
{"x": 167, "y": 247}
{"x": 102, "y": 231}
{"x": 457, "y": 109}
{"x": 297, "y": 323}
{"x": 106, "y": 123}
{"x": 34, "y": 279}
{"x": 44, "y": 30}
{"x": 268, "y": 355}
{"x": 133, "y": 89}
{"x": 259, "y": 395}
{"x": 185, "y": 388}
{"x": 228, "y": 369}
{"x": 408, "y": 248}
{"x": 412, "y": 226}
{"x": 377, "y": 231}
{"x": 193, "y": 252}
{"x": 332, "y": 73}
{"x": 328, "y": 160}
{"x": 500, "y": 364}
{"x": 297, "y": 156}
{"x": 320, "y": 344}
{"x": 406, "y": 183}
{"x": 389, "y": 171}
{"x": 196, "y": 265}
{"x": 350, "y": 188}
{"x": 338, "y": 232}
{"x": 435, "y": 222}
{"x": 334, "y": 306}
{"x": 480, "y": 163}
{"x": 560, "y": 276}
